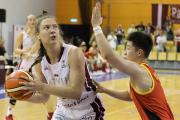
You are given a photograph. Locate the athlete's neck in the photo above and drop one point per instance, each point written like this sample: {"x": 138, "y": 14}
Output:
{"x": 54, "y": 53}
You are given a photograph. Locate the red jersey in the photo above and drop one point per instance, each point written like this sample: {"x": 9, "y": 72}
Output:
{"x": 151, "y": 105}
{"x": 178, "y": 37}
{"x": 89, "y": 53}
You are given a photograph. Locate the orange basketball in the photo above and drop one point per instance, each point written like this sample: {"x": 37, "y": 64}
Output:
{"x": 13, "y": 87}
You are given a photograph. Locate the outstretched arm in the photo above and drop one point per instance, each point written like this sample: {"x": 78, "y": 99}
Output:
{"x": 119, "y": 94}
{"x": 128, "y": 67}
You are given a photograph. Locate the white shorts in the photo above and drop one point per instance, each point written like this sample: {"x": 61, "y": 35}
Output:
{"x": 23, "y": 64}
{"x": 91, "y": 111}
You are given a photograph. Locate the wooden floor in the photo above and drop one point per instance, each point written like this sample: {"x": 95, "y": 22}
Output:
{"x": 115, "y": 109}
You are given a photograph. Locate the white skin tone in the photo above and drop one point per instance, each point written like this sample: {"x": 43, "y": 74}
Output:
{"x": 30, "y": 31}
{"x": 132, "y": 25}
{"x": 119, "y": 33}
{"x": 2, "y": 42}
{"x": 112, "y": 33}
{"x": 49, "y": 36}
{"x": 139, "y": 76}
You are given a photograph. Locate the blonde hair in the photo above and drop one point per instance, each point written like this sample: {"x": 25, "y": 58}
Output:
{"x": 42, "y": 50}
{"x": 26, "y": 28}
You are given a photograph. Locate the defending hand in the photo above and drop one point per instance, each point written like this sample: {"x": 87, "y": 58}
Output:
{"x": 96, "y": 18}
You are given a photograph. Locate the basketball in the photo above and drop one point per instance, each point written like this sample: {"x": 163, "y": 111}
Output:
{"x": 13, "y": 87}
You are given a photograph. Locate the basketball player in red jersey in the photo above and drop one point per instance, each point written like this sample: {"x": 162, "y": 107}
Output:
{"x": 145, "y": 87}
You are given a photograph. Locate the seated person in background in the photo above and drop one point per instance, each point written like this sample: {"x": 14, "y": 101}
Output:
{"x": 92, "y": 39}
{"x": 161, "y": 42}
{"x": 132, "y": 29}
{"x": 94, "y": 61}
{"x": 93, "y": 45}
{"x": 120, "y": 35}
{"x": 177, "y": 39}
{"x": 170, "y": 32}
{"x": 5, "y": 55}
{"x": 152, "y": 28}
{"x": 112, "y": 40}
{"x": 148, "y": 31}
{"x": 83, "y": 43}
{"x": 140, "y": 27}
{"x": 156, "y": 34}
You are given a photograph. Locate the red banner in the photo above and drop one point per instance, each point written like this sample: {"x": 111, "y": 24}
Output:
{"x": 175, "y": 13}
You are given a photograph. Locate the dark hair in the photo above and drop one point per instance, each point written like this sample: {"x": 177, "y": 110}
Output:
{"x": 142, "y": 41}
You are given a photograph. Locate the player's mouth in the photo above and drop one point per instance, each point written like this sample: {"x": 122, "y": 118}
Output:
{"x": 53, "y": 37}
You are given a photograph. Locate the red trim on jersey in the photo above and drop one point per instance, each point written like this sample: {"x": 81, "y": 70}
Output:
{"x": 89, "y": 83}
{"x": 61, "y": 53}
{"x": 98, "y": 109}
{"x": 19, "y": 64}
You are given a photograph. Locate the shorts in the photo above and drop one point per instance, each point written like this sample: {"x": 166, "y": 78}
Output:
{"x": 91, "y": 111}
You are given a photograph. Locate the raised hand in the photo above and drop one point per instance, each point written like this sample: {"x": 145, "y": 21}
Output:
{"x": 96, "y": 18}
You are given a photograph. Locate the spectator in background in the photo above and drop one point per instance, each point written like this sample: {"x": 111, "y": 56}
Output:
{"x": 156, "y": 34}
{"x": 93, "y": 45}
{"x": 151, "y": 27}
{"x": 132, "y": 29}
{"x": 148, "y": 31}
{"x": 161, "y": 41}
{"x": 166, "y": 23}
{"x": 177, "y": 39}
{"x": 5, "y": 55}
{"x": 170, "y": 32}
{"x": 112, "y": 40}
{"x": 83, "y": 43}
{"x": 140, "y": 27}
{"x": 92, "y": 39}
{"x": 120, "y": 35}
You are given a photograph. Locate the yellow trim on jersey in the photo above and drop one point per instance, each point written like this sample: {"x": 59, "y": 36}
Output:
{"x": 26, "y": 74}
{"x": 153, "y": 84}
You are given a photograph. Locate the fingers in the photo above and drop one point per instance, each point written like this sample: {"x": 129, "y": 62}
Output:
{"x": 27, "y": 93}
{"x": 28, "y": 84}
{"x": 95, "y": 81}
{"x": 33, "y": 76}
{"x": 28, "y": 79}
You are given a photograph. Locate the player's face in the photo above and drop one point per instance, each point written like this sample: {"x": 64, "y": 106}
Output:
{"x": 31, "y": 21}
{"x": 130, "y": 53}
{"x": 48, "y": 31}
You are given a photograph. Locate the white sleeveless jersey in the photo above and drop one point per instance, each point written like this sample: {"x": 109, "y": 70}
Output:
{"x": 58, "y": 75}
{"x": 28, "y": 42}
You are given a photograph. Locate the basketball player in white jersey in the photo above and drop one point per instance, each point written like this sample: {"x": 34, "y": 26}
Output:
{"x": 23, "y": 45}
{"x": 62, "y": 71}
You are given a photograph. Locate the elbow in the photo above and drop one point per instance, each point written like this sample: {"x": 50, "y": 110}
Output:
{"x": 15, "y": 51}
{"x": 78, "y": 96}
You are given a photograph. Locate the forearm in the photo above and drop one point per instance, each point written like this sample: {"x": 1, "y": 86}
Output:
{"x": 119, "y": 94}
{"x": 64, "y": 92}
{"x": 19, "y": 51}
{"x": 104, "y": 45}
{"x": 39, "y": 98}
{"x": 35, "y": 48}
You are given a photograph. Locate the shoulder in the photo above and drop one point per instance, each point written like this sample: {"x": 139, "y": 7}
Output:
{"x": 75, "y": 56}
{"x": 75, "y": 52}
